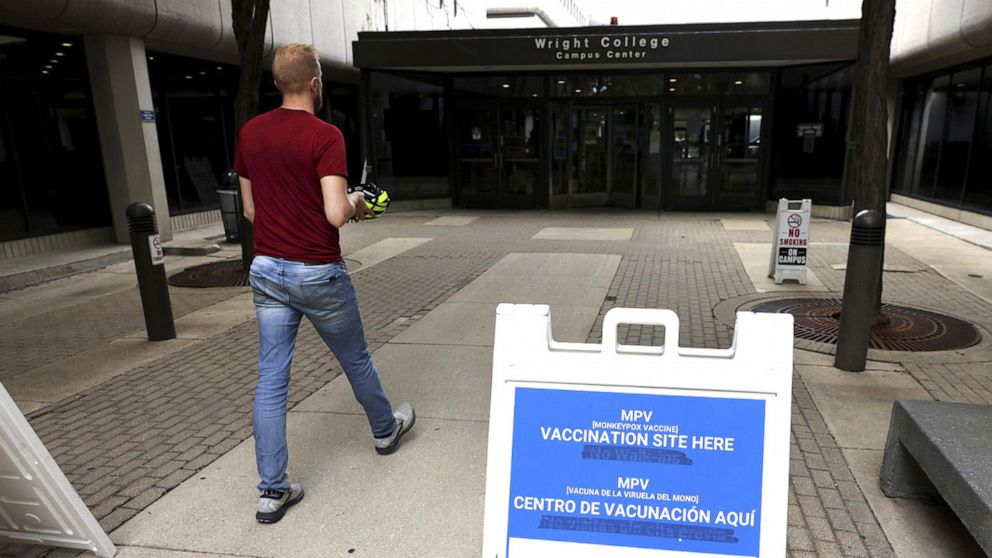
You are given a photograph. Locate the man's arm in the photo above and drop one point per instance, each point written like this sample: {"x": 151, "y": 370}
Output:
{"x": 247, "y": 203}
{"x": 339, "y": 205}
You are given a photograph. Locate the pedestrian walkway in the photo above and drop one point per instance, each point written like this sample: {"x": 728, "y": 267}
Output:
{"x": 156, "y": 438}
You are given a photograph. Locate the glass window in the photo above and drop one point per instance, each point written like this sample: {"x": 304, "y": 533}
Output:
{"x": 585, "y": 85}
{"x": 408, "y": 135}
{"x": 559, "y": 149}
{"x": 652, "y": 158}
{"x": 500, "y": 86}
{"x": 194, "y": 102}
{"x": 810, "y": 128}
{"x": 978, "y": 192}
{"x": 51, "y": 169}
{"x": 718, "y": 83}
{"x": 962, "y": 107}
{"x": 932, "y": 135}
{"x": 913, "y": 100}
{"x": 341, "y": 109}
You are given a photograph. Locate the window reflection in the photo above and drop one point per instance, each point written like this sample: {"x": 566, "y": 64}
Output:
{"x": 718, "y": 83}
{"x": 51, "y": 170}
{"x": 944, "y": 147}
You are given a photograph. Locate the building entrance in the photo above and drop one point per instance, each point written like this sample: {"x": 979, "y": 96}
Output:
{"x": 714, "y": 154}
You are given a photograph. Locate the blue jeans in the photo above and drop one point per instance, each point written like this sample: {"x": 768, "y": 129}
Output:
{"x": 284, "y": 292}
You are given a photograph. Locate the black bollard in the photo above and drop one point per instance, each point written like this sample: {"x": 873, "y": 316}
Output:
{"x": 147, "y": 250}
{"x": 864, "y": 260}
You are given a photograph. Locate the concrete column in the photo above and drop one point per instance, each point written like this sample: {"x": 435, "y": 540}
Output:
{"x": 132, "y": 162}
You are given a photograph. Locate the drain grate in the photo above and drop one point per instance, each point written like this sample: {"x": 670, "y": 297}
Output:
{"x": 227, "y": 273}
{"x": 909, "y": 329}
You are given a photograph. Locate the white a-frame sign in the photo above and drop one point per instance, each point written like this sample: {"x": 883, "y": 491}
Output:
{"x": 37, "y": 503}
{"x": 617, "y": 451}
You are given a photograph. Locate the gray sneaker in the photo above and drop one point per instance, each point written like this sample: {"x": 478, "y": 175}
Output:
{"x": 272, "y": 505}
{"x": 405, "y": 417}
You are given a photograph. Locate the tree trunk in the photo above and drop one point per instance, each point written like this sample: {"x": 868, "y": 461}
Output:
{"x": 249, "y": 21}
{"x": 868, "y": 149}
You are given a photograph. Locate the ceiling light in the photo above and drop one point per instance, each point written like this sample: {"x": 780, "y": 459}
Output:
{"x": 48, "y": 66}
{"x": 738, "y": 82}
{"x": 561, "y": 82}
{"x": 67, "y": 45}
{"x": 671, "y": 89}
{"x": 220, "y": 67}
{"x": 506, "y": 86}
{"x": 44, "y": 71}
{"x": 578, "y": 91}
{"x": 533, "y": 94}
{"x": 54, "y": 61}
{"x": 189, "y": 77}
{"x": 151, "y": 58}
{"x": 673, "y": 80}
{"x": 203, "y": 73}
{"x": 59, "y": 54}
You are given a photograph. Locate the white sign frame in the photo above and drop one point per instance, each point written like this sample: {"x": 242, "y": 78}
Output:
{"x": 757, "y": 365}
{"x": 38, "y": 505}
{"x": 790, "y": 209}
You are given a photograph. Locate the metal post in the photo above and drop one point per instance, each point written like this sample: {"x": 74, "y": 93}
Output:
{"x": 146, "y": 247}
{"x": 864, "y": 260}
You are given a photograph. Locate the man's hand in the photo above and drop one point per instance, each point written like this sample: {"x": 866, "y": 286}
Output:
{"x": 361, "y": 210}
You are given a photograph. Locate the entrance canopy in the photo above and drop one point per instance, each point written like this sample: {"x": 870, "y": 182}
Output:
{"x": 612, "y": 47}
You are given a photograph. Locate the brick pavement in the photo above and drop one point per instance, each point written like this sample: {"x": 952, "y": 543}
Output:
{"x": 128, "y": 441}
{"x": 125, "y": 443}
{"x": 828, "y": 514}
{"x": 46, "y": 338}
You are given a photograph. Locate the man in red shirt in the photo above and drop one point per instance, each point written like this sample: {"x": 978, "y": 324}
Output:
{"x": 293, "y": 174}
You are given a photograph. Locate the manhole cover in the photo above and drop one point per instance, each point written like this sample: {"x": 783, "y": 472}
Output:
{"x": 227, "y": 273}
{"x": 909, "y": 329}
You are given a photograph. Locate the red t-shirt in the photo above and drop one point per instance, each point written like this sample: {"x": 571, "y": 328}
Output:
{"x": 285, "y": 153}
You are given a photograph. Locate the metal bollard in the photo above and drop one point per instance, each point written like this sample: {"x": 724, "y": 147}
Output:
{"x": 146, "y": 246}
{"x": 864, "y": 260}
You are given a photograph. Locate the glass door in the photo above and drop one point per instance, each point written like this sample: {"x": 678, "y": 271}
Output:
{"x": 651, "y": 158}
{"x": 519, "y": 156}
{"x": 738, "y": 166}
{"x": 478, "y": 176}
{"x": 623, "y": 155}
{"x": 715, "y": 155}
{"x": 690, "y": 156}
{"x": 588, "y": 177}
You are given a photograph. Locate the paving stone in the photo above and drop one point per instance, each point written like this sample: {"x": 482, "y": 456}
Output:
{"x": 830, "y": 498}
{"x": 800, "y": 539}
{"x": 851, "y": 544}
{"x": 840, "y": 520}
{"x": 145, "y": 499}
{"x": 116, "y": 518}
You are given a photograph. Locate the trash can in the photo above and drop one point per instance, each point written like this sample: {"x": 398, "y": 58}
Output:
{"x": 230, "y": 205}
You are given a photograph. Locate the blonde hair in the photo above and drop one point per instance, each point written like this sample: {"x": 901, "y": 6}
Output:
{"x": 294, "y": 66}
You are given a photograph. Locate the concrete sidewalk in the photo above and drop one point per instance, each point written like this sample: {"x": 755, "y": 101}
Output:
{"x": 156, "y": 438}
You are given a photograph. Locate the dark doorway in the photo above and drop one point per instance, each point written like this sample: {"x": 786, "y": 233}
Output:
{"x": 714, "y": 154}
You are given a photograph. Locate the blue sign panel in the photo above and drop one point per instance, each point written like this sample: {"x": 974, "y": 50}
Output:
{"x": 147, "y": 115}
{"x": 638, "y": 470}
